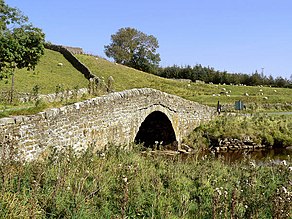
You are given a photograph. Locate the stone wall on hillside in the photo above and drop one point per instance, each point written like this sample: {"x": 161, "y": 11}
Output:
{"x": 67, "y": 53}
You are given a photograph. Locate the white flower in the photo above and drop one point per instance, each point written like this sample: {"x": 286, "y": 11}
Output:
{"x": 284, "y": 162}
{"x": 125, "y": 179}
{"x": 284, "y": 189}
{"x": 219, "y": 191}
{"x": 252, "y": 164}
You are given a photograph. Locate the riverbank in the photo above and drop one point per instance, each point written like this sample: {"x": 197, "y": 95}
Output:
{"x": 236, "y": 132}
{"x": 126, "y": 184}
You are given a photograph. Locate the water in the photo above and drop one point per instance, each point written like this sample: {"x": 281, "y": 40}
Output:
{"x": 261, "y": 155}
{"x": 280, "y": 113}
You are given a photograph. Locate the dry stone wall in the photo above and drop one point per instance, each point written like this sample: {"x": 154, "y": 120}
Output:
{"x": 114, "y": 118}
{"x": 67, "y": 53}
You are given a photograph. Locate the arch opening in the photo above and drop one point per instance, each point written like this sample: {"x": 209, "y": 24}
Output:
{"x": 156, "y": 128}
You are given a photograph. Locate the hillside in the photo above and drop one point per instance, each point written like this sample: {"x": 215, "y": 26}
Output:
{"x": 127, "y": 78}
{"x": 47, "y": 75}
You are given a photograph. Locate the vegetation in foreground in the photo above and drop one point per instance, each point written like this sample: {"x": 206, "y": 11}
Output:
{"x": 126, "y": 184}
{"x": 267, "y": 130}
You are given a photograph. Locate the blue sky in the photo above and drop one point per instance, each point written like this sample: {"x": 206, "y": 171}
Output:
{"x": 233, "y": 35}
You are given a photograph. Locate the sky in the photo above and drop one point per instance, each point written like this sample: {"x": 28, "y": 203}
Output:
{"x": 237, "y": 36}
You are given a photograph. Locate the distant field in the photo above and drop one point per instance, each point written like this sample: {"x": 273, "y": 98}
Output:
{"x": 47, "y": 75}
{"x": 127, "y": 78}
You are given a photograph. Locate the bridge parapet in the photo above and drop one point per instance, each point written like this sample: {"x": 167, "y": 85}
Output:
{"x": 114, "y": 118}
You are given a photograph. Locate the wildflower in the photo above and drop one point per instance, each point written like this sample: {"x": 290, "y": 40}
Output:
{"x": 284, "y": 189}
{"x": 218, "y": 190}
{"x": 252, "y": 164}
{"x": 102, "y": 155}
{"x": 125, "y": 179}
{"x": 284, "y": 162}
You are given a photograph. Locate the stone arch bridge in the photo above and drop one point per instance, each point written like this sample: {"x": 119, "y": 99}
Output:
{"x": 137, "y": 115}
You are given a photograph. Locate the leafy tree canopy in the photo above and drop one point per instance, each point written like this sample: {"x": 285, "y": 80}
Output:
{"x": 134, "y": 48}
{"x": 21, "y": 44}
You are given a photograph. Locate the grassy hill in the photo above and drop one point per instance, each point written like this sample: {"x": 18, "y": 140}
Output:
{"x": 127, "y": 78}
{"x": 47, "y": 75}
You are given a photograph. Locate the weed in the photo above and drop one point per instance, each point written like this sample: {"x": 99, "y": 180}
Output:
{"x": 119, "y": 183}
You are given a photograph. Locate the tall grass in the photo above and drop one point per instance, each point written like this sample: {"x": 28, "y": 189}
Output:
{"x": 127, "y": 184}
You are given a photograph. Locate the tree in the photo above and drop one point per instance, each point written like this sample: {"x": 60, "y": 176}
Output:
{"x": 134, "y": 48}
{"x": 21, "y": 44}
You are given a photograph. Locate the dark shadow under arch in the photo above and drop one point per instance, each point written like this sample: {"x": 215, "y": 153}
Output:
{"x": 156, "y": 127}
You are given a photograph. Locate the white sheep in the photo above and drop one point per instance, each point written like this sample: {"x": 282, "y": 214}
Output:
{"x": 60, "y": 64}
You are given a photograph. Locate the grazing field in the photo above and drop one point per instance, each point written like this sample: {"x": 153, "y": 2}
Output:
{"x": 49, "y": 77}
{"x": 127, "y": 78}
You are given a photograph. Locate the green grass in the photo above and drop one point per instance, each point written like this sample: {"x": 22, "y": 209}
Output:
{"x": 268, "y": 130}
{"x": 47, "y": 75}
{"x": 128, "y": 78}
{"x": 126, "y": 184}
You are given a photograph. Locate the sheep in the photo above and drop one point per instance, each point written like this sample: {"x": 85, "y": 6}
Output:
{"x": 60, "y": 64}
